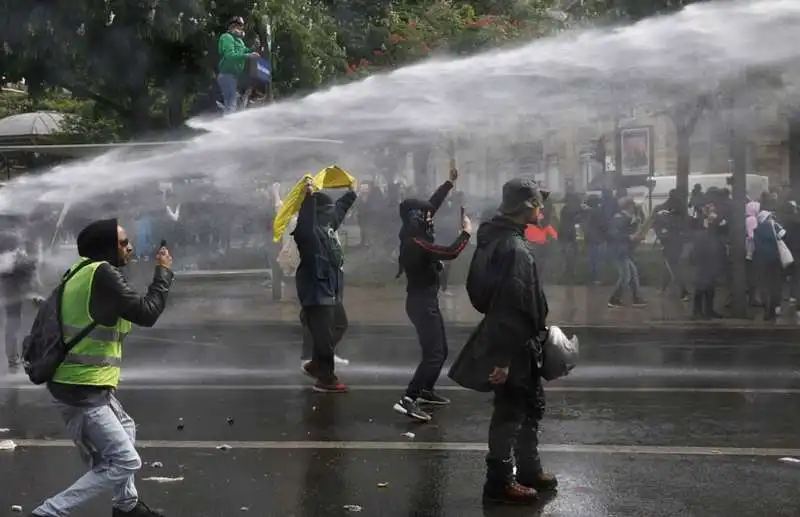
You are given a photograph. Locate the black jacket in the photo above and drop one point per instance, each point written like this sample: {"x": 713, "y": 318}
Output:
{"x": 510, "y": 332}
{"x": 420, "y": 259}
{"x": 112, "y": 298}
{"x": 320, "y": 278}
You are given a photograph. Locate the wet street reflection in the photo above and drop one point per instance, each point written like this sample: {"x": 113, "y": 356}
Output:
{"x": 651, "y": 424}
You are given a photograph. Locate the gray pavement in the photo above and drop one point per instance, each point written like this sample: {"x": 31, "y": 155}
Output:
{"x": 666, "y": 422}
{"x": 235, "y": 298}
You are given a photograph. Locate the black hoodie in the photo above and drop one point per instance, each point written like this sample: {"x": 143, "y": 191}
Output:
{"x": 320, "y": 277}
{"x": 111, "y": 299}
{"x": 420, "y": 259}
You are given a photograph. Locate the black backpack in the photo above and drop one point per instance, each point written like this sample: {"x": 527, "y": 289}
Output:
{"x": 44, "y": 349}
{"x": 483, "y": 276}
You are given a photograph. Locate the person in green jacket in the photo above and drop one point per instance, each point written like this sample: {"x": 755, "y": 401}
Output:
{"x": 233, "y": 55}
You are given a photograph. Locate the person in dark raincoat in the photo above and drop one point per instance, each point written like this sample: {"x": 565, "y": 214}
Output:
{"x": 504, "y": 353}
{"x": 708, "y": 258}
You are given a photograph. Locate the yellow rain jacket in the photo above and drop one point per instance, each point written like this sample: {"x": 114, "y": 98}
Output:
{"x": 329, "y": 177}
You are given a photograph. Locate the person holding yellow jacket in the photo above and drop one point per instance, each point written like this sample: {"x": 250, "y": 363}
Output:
{"x": 320, "y": 279}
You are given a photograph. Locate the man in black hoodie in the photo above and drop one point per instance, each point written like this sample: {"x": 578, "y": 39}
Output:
{"x": 84, "y": 386}
{"x": 320, "y": 281}
{"x": 504, "y": 285}
{"x": 421, "y": 261}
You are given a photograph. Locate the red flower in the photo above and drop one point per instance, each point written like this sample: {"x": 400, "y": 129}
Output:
{"x": 395, "y": 38}
{"x": 378, "y": 53}
{"x": 412, "y": 25}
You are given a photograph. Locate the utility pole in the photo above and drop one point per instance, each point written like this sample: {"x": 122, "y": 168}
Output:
{"x": 738, "y": 154}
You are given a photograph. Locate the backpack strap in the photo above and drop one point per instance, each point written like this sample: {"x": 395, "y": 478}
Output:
{"x": 91, "y": 326}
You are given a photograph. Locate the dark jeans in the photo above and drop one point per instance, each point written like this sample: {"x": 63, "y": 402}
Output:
{"x": 326, "y": 326}
{"x": 13, "y": 322}
{"x": 569, "y": 249}
{"x": 770, "y": 284}
{"x": 444, "y": 276}
{"x": 703, "y": 303}
{"x": 672, "y": 273}
{"x": 514, "y": 428}
{"x": 627, "y": 275}
{"x": 308, "y": 341}
{"x": 423, "y": 311}
{"x": 597, "y": 258}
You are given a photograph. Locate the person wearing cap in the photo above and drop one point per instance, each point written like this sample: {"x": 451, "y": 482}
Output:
{"x": 507, "y": 289}
{"x": 232, "y": 56}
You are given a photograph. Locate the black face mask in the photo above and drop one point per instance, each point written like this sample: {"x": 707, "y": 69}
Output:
{"x": 420, "y": 223}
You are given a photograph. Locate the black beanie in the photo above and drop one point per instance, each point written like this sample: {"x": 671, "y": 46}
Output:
{"x": 98, "y": 241}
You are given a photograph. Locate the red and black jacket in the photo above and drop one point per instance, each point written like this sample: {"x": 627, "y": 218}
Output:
{"x": 420, "y": 257}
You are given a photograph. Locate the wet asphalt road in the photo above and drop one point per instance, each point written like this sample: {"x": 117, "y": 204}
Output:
{"x": 653, "y": 423}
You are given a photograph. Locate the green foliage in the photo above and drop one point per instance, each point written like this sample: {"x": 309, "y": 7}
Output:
{"x": 135, "y": 66}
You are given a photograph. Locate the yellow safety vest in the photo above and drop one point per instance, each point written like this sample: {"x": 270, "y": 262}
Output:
{"x": 96, "y": 360}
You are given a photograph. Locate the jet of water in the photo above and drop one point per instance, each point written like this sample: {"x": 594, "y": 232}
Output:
{"x": 548, "y": 83}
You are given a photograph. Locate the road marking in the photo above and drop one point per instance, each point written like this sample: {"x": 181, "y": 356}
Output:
{"x": 656, "y": 450}
{"x": 445, "y": 388}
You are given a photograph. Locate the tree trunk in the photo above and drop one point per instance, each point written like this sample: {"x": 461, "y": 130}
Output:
{"x": 140, "y": 111}
{"x": 683, "y": 151}
{"x": 176, "y": 93}
{"x": 618, "y": 177}
{"x": 738, "y": 154}
{"x": 794, "y": 150}
{"x": 685, "y": 117}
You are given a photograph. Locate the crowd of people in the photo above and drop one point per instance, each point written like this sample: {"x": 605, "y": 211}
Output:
{"x": 512, "y": 248}
{"x": 95, "y": 308}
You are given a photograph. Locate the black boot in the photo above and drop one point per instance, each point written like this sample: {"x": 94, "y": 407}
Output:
{"x": 140, "y": 510}
{"x": 709, "y": 305}
{"x": 697, "y": 305}
{"x": 502, "y": 488}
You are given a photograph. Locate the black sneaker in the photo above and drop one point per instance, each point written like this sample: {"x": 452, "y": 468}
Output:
{"x": 140, "y": 510}
{"x": 410, "y": 408}
{"x": 614, "y": 304}
{"x": 429, "y": 397}
{"x": 14, "y": 363}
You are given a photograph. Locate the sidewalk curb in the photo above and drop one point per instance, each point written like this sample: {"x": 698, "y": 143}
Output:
{"x": 670, "y": 327}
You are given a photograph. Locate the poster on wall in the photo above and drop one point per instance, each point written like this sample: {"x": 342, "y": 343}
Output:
{"x": 637, "y": 151}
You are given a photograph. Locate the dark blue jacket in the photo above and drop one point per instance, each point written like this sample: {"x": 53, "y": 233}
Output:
{"x": 620, "y": 229}
{"x": 320, "y": 278}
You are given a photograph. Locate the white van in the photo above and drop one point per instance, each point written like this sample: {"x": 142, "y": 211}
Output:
{"x": 756, "y": 184}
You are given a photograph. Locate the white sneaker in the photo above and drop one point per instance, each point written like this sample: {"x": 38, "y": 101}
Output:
{"x": 336, "y": 360}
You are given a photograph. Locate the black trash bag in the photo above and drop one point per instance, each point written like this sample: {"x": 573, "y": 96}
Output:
{"x": 472, "y": 369}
